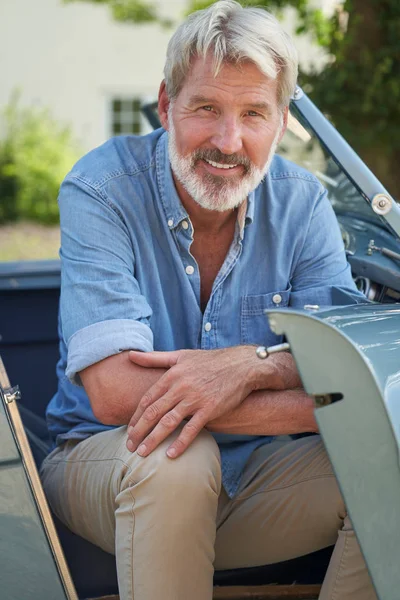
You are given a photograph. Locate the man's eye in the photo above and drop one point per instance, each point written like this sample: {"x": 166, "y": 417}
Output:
{"x": 207, "y": 108}
{"x": 253, "y": 113}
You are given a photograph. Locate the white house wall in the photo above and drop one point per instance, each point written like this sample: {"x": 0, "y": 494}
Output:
{"x": 73, "y": 57}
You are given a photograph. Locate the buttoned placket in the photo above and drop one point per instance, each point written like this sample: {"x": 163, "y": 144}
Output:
{"x": 183, "y": 233}
{"x": 209, "y": 331}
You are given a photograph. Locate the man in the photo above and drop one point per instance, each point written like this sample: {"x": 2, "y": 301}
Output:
{"x": 172, "y": 246}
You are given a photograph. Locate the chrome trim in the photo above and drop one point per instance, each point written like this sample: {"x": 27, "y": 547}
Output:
{"x": 382, "y": 204}
{"x": 298, "y": 93}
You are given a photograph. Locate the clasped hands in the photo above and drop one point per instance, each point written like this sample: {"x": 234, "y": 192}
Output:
{"x": 199, "y": 386}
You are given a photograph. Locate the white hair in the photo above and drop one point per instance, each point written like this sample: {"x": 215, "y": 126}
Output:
{"x": 234, "y": 34}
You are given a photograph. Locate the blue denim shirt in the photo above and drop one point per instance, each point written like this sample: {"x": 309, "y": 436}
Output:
{"x": 125, "y": 282}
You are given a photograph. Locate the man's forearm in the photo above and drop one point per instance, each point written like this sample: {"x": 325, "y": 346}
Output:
{"x": 230, "y": 389}
{"x": 115, "y": 386}
{"x": 269, "y": 412}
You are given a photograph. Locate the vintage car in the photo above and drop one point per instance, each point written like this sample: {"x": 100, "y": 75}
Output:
{"x": 348, "y": 357}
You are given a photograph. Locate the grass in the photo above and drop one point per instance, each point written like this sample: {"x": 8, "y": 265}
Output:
{"x": 29, "y": 241}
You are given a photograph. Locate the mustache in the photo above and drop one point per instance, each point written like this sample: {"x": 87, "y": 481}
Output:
{"x": 219, "y": 157}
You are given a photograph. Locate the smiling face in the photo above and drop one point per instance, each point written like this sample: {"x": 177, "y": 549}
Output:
{"x": 223, "y": 132}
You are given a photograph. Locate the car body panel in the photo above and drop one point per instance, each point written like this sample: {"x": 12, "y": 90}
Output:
{"x": 354, "y": 352}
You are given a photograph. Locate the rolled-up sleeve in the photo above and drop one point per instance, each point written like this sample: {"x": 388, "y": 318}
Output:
{"x": 322, "y": 275}
{"x": 100, "y": 340}
{"x": 102, "y": 308}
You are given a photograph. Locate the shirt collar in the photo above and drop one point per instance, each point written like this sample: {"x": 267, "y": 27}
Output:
{"x": 173, "y": 208}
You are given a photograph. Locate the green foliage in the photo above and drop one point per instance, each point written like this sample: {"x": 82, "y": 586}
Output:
{"x": 360, "y": 88}
{"x": 130, "y": 11}
{"x": 35, "y": 155}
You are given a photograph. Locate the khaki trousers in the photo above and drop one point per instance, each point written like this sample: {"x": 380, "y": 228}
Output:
{"x": 170, "y": 523}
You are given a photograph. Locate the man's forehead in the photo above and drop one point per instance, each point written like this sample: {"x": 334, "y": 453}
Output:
{"x": 244, "y": 79}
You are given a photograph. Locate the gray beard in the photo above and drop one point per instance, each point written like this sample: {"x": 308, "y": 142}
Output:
{"x": 215, "y": 192}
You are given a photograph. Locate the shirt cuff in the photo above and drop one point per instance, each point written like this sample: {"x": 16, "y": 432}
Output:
{"x": 100, "y": 340}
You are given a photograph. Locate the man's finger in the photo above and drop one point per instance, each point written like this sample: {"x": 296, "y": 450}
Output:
{"x": 190, "y": 431}
{"x": 144, "y": 403}
{"x": 155, "y": 360}
{"x": 157, "y": 391}
{"x": 149, "y": 420}
{"x": 169, "y": 422}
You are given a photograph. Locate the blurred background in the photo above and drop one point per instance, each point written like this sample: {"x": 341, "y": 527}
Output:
{"x": 76, "y": 72}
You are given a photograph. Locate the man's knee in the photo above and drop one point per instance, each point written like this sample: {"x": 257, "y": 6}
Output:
{"x": 199, "y": 467}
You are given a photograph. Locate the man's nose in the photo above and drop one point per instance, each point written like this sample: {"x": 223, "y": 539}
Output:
{"x": 228, "y": 136}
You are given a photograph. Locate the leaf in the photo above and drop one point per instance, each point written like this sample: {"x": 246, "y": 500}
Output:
{"x": 36, "y": 153}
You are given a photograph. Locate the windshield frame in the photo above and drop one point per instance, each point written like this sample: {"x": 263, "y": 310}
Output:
{"x": 347, "y": 159}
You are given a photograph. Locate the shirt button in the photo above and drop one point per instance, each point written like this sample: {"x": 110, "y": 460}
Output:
{"x": 276, "y": 298}
{"x": 185, "y": 225}
{"x": 207, "y": 327}
{"x": 170, "y": 222}
{"x": 189, "y": 270}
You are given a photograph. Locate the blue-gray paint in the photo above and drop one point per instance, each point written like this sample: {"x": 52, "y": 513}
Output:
{"x": 355, "y": 351}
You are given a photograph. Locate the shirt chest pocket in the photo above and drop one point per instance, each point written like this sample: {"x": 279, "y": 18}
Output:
{"x": 254, "y": 323}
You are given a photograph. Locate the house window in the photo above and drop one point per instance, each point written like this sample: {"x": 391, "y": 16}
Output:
{"x": 126, "y": 116}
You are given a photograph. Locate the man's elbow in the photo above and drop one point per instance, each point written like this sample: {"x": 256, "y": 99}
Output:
{"x": 108, "y": 390}
{"x": 103, "y": 404}
{"x": 104, "y": 413}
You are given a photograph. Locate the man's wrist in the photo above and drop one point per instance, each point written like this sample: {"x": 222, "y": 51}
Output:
{"x": 276, "y": 372}
{"x": 262, "y": 374}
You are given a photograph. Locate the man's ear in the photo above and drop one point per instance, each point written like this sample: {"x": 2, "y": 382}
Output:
{"x": 163, "y": 105}
{"x": 285, "y": 116}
